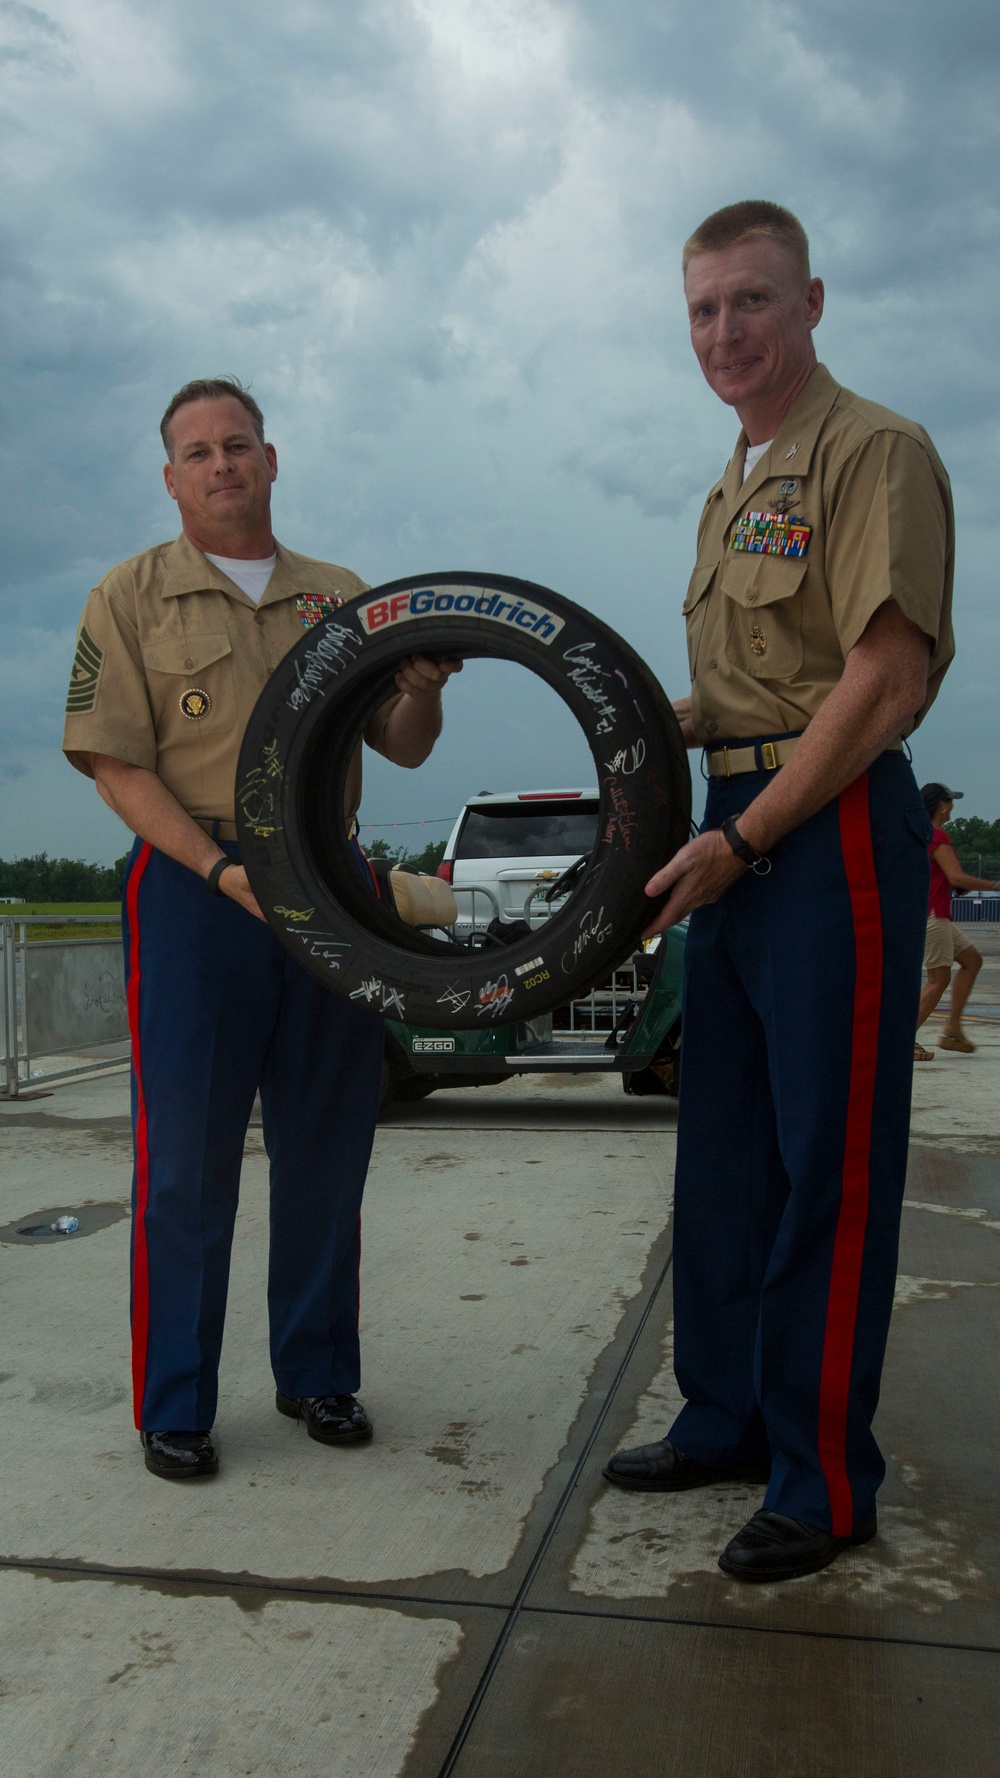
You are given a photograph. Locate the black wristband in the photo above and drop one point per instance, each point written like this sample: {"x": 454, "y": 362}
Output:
{"x": 743, "y": 849}
{"x": 212, "y": 880}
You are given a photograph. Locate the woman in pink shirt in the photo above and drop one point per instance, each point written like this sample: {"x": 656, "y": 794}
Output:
{"x": 946, "y": 942}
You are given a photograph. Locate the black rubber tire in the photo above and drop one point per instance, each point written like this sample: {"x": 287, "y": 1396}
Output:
{"x": 290, "y": 798}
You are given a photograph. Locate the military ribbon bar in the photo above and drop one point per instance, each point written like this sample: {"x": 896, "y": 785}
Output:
{"x": 314, "y": 607}
{"x": 771, "y": 534}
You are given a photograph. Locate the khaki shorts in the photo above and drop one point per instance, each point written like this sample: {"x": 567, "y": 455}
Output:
{"x": 945, "y": 942}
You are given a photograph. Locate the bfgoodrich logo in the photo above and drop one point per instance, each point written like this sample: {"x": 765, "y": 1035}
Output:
{"x": 432, "y": 601}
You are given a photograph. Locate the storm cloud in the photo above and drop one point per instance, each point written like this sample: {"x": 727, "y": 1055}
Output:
{"x": 441, "y": 240}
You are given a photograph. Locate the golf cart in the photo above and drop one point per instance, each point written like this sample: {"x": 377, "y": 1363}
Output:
{"x": 629, "y": 1025}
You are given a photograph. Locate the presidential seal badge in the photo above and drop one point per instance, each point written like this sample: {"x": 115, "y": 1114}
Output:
{"x": 195, "y": 704}
{"x": 758, "y": 640}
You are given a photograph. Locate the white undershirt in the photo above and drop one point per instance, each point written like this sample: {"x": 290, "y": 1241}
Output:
{"x": 753, "y": 457}
{"x": 250, "y": 577}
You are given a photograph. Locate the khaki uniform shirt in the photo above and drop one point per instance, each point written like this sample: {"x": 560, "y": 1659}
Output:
{"x": 768, "y": 634}
{"x": 172, "y": 656}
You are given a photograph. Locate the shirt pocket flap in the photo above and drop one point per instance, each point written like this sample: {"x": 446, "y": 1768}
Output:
{"x": 698, "y": 586}
{"x": 187, "y": 655}
{"x": 757, "y": 580}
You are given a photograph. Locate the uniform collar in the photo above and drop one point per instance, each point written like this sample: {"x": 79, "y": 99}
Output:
{"x": 792, "y": 447}
{"x": 189, "y": 571}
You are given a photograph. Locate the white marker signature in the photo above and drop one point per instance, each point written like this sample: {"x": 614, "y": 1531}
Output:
{"x": 591, "y": 932}
{"x": 381, "y": 994}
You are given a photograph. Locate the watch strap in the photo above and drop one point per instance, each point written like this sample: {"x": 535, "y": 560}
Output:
{"x": 743, "y": 849}
{"x": 212, "y": 880}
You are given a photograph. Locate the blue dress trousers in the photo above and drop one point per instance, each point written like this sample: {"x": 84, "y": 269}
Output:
{"x": 218, "y": 1009}
{"x": 801, "y": 996}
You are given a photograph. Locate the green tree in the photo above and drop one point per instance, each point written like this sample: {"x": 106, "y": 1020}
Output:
{"x": 972, "y": 832}
{"x": 977, "y": 843}
{"x": 428, "y": 860}
{"x": 42, "y": 878}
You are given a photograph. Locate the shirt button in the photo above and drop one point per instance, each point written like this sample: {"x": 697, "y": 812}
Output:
{"x": 751, "y": 597}
{"x": 258, "y": 617}
{"x": 189, "y": 665}
{"x": 712, "y": 728}
{"x": 713, "y": 663}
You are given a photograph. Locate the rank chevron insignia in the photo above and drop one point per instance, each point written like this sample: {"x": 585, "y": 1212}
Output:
{"x": 87, "y": 663}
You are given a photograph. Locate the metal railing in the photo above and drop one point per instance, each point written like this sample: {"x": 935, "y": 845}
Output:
{"x": 977, "y": 907}
{"x": 601, "y": 1009}
{"x": 475, "y": 889}
{"x": 59, "y": 997}
{"x": 65, "y": 997}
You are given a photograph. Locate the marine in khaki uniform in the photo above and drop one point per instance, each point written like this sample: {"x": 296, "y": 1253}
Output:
{"x": 172, "y": 656}
{"x": 818, "y": 623}
{"x": 173, "y": 650}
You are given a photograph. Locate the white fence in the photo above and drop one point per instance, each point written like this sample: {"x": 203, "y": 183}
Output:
{"x": 61, "y": 997}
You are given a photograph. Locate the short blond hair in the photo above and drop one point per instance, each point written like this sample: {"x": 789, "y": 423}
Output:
{"x": 738, "y": 222}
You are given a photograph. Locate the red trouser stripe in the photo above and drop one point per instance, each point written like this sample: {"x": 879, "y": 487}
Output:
{"x": 140, "y": 1258}
{"x": 849, "y": 1244}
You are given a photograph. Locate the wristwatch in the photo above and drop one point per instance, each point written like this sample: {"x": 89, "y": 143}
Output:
{"x": 743, "y": 849}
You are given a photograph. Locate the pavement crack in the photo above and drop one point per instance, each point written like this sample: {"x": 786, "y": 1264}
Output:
{"x": 545, "y": 1542}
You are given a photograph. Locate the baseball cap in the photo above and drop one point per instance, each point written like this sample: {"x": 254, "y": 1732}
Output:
{"x": 933, "y": 794}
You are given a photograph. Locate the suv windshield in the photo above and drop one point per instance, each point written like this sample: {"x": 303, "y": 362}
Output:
{"x": 529, "y": 830}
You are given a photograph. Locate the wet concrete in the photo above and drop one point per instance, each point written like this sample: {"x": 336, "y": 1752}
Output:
{"x": 466, "y": 1595}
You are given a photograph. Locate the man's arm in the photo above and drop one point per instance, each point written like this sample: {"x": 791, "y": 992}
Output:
{"x": 947, "y": 859}
{"x": 144, "y": 803}
{"x": 883, "y": 686}
{"x": 414, "y": 723}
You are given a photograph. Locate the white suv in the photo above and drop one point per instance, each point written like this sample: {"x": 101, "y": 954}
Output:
{"x": 508, "y": 843}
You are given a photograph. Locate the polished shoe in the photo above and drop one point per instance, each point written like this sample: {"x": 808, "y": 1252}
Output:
{"x": 179, "y": 1456}
{"x": 662, "y": 1469}
{"x": 332, "y": 1419}
{"x": 773, "y": 1547}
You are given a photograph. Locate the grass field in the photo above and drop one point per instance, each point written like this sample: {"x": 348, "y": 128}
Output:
{"x": 110, "y": 926}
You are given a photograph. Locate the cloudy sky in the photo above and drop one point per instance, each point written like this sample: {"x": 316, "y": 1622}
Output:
{"x": 440, "y": 238}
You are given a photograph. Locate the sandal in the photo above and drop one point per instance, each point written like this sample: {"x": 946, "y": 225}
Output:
{"x": 956, "y": 1041}
{"x": 922, "y": 1055}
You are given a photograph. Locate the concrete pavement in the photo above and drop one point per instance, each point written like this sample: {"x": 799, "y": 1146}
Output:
{"x": 465, "y": 1595}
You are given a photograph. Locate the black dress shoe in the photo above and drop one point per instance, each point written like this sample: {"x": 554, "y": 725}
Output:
{"x": 180, "y": 1456}
{"x": 332, "y": 1419}
{"x": 662, "y": 1469}
{"x": 773, "y": 1547}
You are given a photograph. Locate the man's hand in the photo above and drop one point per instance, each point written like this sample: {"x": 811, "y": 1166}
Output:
{"x": 882, "y": 688}
{"x": 142, "y": 800}
{"x": 415, "y": 720}
{"x": 682, "y": 711}
{"x": 700, "y": 872}
{"x": 420, "y": 677}
{"x": 235, "y": 883}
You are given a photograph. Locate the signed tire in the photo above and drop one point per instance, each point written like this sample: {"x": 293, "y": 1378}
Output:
{"x": 290, "y": 799}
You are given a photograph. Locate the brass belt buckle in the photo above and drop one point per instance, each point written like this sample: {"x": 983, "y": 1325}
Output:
{"x": 769, "y": 759}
